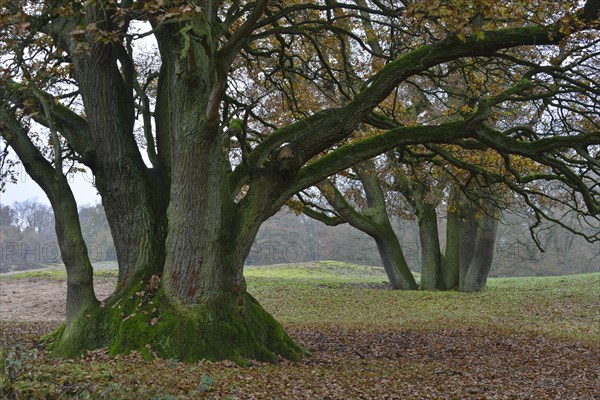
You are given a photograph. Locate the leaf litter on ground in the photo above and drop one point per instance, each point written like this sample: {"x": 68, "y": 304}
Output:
{"x": 344, "y": 364}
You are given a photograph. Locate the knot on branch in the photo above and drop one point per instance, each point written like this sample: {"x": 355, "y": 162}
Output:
{"x": 286, "y": 158}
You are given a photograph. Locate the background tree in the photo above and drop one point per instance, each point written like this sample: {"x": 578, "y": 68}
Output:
{"x": 35, "y": 217}
{"x": 372, "y": 219}
{"x": 471, "y": 221}
{"x": 291, "y": 238}
{"x": 27, "y": 236}
{"x": 220, "y": 160}
{"x": 446, "y": 93}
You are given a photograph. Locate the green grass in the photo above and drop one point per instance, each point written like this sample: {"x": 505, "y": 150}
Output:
{"x": 319, "y": 296}
{"x": 57, "y": 271}
{"x": 56, "y": 274}
{"x": 336, "y": 294}
{"x": 323, "y": 271}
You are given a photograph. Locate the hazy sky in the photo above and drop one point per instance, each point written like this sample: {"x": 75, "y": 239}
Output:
{"x": 26, "y": 189}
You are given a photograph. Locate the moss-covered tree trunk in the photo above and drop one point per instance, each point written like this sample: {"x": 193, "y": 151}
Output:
{"x": 73, "y": 251}
{"x": 393, "y": 260}
{"x": 388, "y": 245}
{"x": 470, "y": 239}
{"x": 181, "y": 291}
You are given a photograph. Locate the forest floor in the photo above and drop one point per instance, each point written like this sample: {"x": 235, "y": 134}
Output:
{"x": 523, "y": 338}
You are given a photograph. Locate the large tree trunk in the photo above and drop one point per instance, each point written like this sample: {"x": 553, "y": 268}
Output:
{"x": 181, "y": 291}
{"x": 134, "y": 198}
{"x": 207, "y": 243}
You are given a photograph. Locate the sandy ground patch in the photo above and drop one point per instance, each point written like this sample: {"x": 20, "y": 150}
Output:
{"x": 40, "y": 299}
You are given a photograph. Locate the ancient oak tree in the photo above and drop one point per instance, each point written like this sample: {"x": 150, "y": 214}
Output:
{"x": 184, "y": 147}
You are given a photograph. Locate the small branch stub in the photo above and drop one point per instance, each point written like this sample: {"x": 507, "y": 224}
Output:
{"x": 286, "y": 157}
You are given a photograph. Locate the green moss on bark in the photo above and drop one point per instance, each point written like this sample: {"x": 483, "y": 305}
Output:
{"x": 155, "y": 326}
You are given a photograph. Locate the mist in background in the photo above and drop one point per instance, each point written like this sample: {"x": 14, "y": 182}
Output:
{"x": 28, "y": 241}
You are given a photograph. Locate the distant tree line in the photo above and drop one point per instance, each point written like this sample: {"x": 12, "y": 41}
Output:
{"x": 28, "y": 238}
{"x": 28, "y": 241}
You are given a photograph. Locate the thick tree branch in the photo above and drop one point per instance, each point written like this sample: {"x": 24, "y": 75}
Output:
{"x": 341, "y": 206}
{"x": 347, "y": 155}
{"x": 71, "y": 125}
{"x": 371, "y": 184}
{"x": 39, "y": 168}
{"x": 591, "y": 11}
{"x": 318, "y": 132}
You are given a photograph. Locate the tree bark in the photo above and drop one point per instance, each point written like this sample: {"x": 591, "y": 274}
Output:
{"x": 431, "y": 257}
{"x": 476, "y": 274}
{"x": 388, "y": 245}
{"x": 394, "y": 262}
{"x": 132, "y": 195}
{"x": 389, "y": 248}
{"x": 451, "y": 262}
{"x": 468, "y": 239}
{"x": 73, "y": 250}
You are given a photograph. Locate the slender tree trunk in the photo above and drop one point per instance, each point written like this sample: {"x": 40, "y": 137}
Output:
{"x": 431, "y": 257}
{"x": 451, "y": 263}
{"x": 468, "y": 236}
{"x": 73, "y": 251}
{"x": 393, "y": 260}
{"x": 388, "y": 245}
{"x": 481, "y": 263}
{"x": 80, "y": 287}
{"x": 474, "y": 278}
